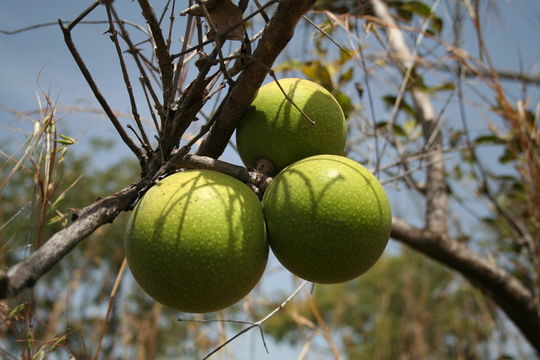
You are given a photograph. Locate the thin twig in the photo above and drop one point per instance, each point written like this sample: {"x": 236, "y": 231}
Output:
{"x": 135, "y": 53}
{"x": 326, "y": 333}
{"x": 144, "y": 141}
{"x": 161, "y": 50}
{"x": 260, "y": 322}
{"x": 112, "y": 297}
{"x": 83, "y": 15}
{"x": 55, "y": 23}
{"x": 171, "y": 24}
{"x": 217, "y": 40}
{"x": 261, "y": 9}
{"x": 25, "y": 274}
{"x": 291, "y": 101}
{"x": 179, "y": 67}
{"x": 201, "y": 44}
{"x": 150, "y": 108}
{"x": 277, "y": 34}
{"x": 327, "y": 35}
{"x": 102, "y": 101}
{"x": 437, "y": 202}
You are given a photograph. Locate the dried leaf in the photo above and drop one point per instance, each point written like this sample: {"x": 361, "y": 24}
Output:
{"x": 224, "y": 15}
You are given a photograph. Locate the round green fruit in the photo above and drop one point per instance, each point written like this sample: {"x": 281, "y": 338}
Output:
{"x": 328, "y": 218}
{"x": 274, "y": 129}
{"x": 196, "y": 241}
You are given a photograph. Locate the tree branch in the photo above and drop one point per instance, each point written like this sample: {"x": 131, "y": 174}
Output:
{"x": 276, "y": 36}
{"x": 256, "y": 180}
{"x": 86, "y": 73}
{"x": 437, "y": 203}
{"x": 507, "y": 291}
{"x": 161, "y": 50}
{"x": 26, "y": 273}
{"x": 510, "y": 295}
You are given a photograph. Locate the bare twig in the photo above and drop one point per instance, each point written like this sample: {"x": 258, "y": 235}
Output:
{"x": 26, "y": 273}
{"x": 322, "y": 324}
{"x": 112, "y": 297}
{"x": 277, "y": 34}
{"x": 55, "y": 23}
{"x": 83, "y": 15}
{"x": 436, "y": 206}
{"x": 150, "y": 108}
{"x": 201, "y": 43}
{"x": 88, "y": 77}
{"x": 248, "y": 176}
{"x": 113, "y": 35}
{"x": 179, "y": 68}
{"x": 327, "y": 35}
{"x": 161, "y": 51}
{"x": 137, "y": 57}
{"x": 260, "y": 322}
{"x": 218, "y": 42}
{"x": 261, "y": 9}
{"x": 512, "y": 297}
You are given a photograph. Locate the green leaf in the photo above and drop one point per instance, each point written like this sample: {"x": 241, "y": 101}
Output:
{"x": 55, "y": 219}
{"x": 437, "y": 25}
{"x": 345, "y": 103}
{"x": 346, "y": 76}
{"x": 455, "y": 137}
{"x": 457, "y": 172}
{"x": 399, "y": 130}
{"x": 507, "y": 156}
{"x": 443, "y": 87}
{"x": 405, "y": 14}
{"x": 318, "y": 73}
{"x": 395, "y": 4}
{"x": 16, "y": 310}
{"x": 345, "y": 56}
{"x": 410, "y": 125}
{"x": 467, "y": 156}
{"x": 489, "y": 139}
{"x": 390, "y": 100}
{"x": 418, "y": 8}
{"x": 289, "y": 65}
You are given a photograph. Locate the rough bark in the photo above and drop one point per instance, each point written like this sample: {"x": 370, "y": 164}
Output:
{"x": 277, "y": 34}
{"x": 105, "y": 210}
{"x": 510, "y": 295}
{"x": 508, "y": 292}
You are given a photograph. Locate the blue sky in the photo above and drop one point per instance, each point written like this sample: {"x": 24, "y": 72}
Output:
{"x": 511, "y": 34}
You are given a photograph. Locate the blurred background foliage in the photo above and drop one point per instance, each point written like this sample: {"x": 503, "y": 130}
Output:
{"x": 406, "y": 307}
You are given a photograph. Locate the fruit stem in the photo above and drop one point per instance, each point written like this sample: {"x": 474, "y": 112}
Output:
{"x": 264, "y": 166}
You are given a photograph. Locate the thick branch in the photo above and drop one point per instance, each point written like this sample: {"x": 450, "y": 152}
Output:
{"x": 276, "y": 36}
{"x": 255, "y": 179}
{"x": 509, "y": 294}
{"x": 501, "y": 74}
{"x": 436, "y": 207}
{"x": 26, "y": 273}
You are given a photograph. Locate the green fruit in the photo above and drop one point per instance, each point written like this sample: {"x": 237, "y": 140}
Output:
{"x": 196, "y": 241}
{"x": 328, "y": 218}
{"x": 275, "y": 130}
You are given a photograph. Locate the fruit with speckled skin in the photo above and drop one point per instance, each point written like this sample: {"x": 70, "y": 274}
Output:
{"x": 196, "y": 241}
{"x": 328, "y": 218}
{"x": 273, "y": 129}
